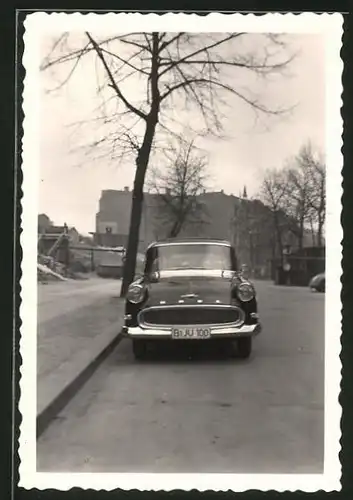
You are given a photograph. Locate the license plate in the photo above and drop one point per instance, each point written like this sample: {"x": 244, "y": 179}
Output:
{"x": 191, "y": 332}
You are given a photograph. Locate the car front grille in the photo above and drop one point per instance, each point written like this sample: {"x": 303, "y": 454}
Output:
{"x": 190, "y": 315}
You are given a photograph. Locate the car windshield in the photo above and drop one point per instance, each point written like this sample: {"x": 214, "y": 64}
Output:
{"x": 193, "y": 256}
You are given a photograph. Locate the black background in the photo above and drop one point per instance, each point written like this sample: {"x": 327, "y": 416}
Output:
{"x": 11, "y": 19}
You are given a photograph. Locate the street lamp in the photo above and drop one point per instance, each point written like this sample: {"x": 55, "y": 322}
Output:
{"x": 287, "y": 249}
{"x": 286, "y": 263}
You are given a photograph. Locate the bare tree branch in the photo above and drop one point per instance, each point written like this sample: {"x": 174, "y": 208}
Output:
{"x": 71, "y": 55}
{"x": 127, "y": 61}
{"x": 113, "y": 84}
{"x": 253, "y": 103}
{"x": 178, "y": 188}
{"x": 206, "y": 48}
{"x": 253, "y": 66}
{"x": 165, "y": 44}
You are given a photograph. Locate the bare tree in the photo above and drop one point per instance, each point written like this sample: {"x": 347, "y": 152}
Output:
{"x": 174, "y": 71}
{"x": 297, "y": 198}
{"x": 178, "y": 186}
{"x": 298, "y": 202}
{"x": 317, "y": 200}
{"x": 306, "y": 198}
{"x": 273, "y": 194}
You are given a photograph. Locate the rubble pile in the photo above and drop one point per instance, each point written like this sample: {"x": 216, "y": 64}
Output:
{"x": 45, "y": 274}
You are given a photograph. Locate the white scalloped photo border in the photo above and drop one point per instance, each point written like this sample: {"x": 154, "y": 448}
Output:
{"x": 39, "y": 23}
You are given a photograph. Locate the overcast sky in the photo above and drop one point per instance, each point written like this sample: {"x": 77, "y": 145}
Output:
{"x": 71, "y": 183}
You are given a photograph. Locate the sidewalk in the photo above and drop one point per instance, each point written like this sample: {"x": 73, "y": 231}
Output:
{"x": 78, "y": 325}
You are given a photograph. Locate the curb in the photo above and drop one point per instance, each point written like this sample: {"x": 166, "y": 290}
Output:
{"x": 50, "y": 412}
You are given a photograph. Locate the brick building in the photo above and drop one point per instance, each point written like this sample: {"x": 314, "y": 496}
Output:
{"x": 246, "y": 223}
{"x": 113, "y": 218}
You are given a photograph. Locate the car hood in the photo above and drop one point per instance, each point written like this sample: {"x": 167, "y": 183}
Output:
{"x": 190, "y": 290}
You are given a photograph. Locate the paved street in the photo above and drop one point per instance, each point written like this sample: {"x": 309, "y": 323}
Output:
{"x": 75, "y": 320}
{"x": 209, "y": 414}
{"x": 56, "y": 299}
{"x": 70, "y": 313}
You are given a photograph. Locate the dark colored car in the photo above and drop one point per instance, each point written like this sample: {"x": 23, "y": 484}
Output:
{"x": 191, "y": 290}
{"x": 318, "y": 283}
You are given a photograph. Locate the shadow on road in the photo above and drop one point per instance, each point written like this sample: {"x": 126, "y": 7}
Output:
{"x": 185, "y": 352}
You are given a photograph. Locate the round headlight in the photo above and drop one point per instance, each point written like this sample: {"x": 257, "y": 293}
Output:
{"x": 245, "y": 292}
{"x": 135, "y": 293}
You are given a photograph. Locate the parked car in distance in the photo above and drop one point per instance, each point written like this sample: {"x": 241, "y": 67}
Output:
{"x": 191, "y": 290}
{"x": 111, "y": 263}
{"x": 318, "y": 283}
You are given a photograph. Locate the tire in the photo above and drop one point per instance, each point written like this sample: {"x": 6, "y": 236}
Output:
{"x": 244, "y": 347}
{"x": 139, "y": 349}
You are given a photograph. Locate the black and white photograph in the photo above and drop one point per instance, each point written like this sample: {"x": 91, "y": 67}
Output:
{"x": 181, "y": 239}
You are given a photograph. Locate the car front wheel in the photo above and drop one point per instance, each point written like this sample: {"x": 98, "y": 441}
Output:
{"x": 139, "y": 349}
{"x": 244, "y": 347}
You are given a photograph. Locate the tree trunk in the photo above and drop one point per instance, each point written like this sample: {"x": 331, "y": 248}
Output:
{"x": 312, "y": 231}
{"x": 134, "y": 232}
{"x": 174, "y": 231}
{"x": 136, "y": 209}
{"x": 278, "y": 236}
{"x": 141, "y": 168}
{"x": 301, "y": 232}
{"x": 280, "y": 245}
{"x": 300, "y": 237}
{"x": 321, "y": 213}
{"x": 177, "y": 225}
{"x": 319, "y": 234}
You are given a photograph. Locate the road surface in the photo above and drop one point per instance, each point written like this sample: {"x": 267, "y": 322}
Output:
{"x": 75, "y": 318}
{"x": 56, "y": 299}
{"x": 207, "y": 414}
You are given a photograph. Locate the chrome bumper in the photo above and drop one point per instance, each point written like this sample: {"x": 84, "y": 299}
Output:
{"x": 216, "y": 332}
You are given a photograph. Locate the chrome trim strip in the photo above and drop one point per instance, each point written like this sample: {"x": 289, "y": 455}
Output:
{"x": 235, "y": 324}
{"x": 232, "y": 333}
{"x": 192, "y": 273}
{"x": 195, "y": 243}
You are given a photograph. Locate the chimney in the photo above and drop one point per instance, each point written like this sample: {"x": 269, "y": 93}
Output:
{"x": 222, "y": 191}
{"x": 126, "y": 189}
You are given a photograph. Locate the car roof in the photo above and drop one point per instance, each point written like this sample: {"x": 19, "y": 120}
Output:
{"x": 188, "y": 241}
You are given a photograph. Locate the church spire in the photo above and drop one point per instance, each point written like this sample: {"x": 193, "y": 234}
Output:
{"x": 245, "y": 194}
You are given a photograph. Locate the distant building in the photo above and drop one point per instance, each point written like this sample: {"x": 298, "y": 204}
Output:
{"x": 113, "y": 218}
{"x": 48, "y": 234}
{"x": 246, "y": 223}
{"x": 43, "y": 223}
